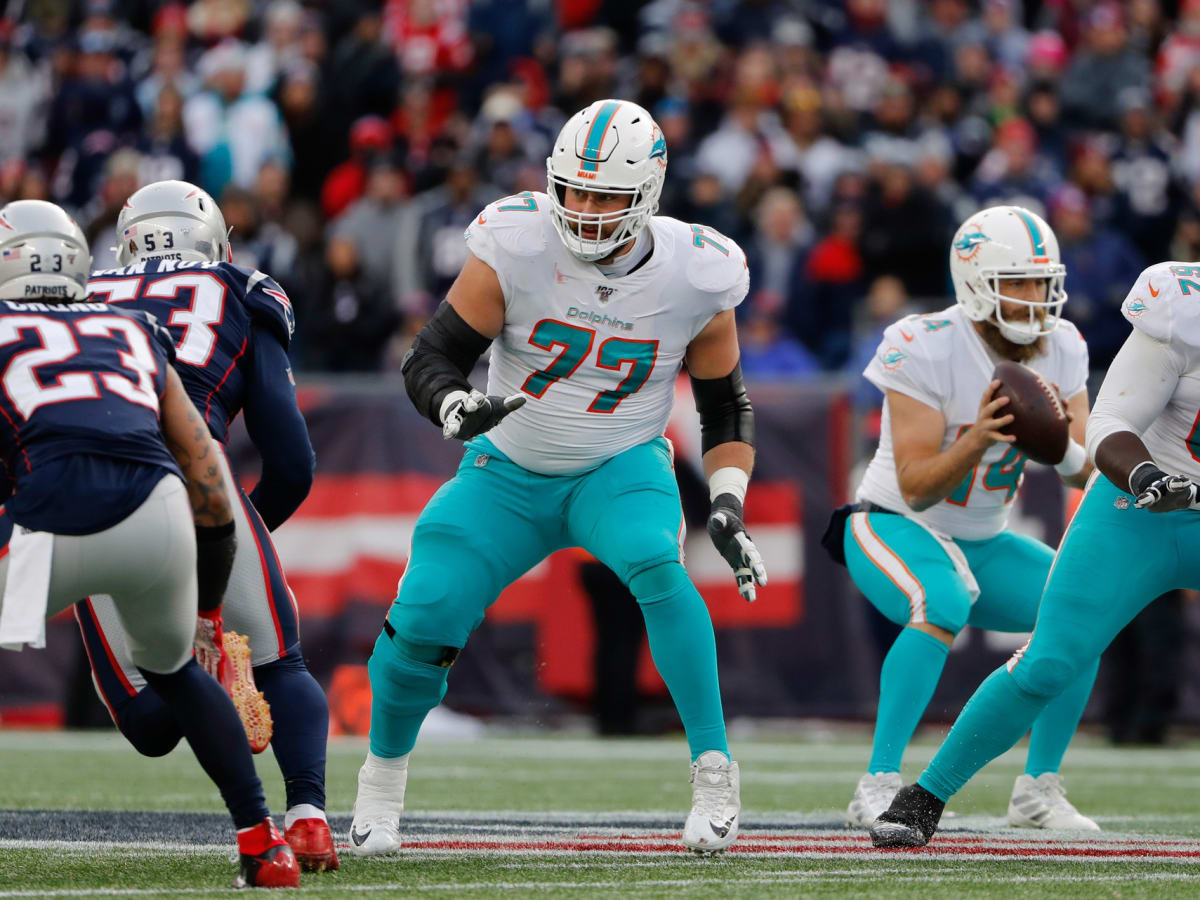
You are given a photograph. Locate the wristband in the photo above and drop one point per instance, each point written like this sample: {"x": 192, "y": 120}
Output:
{"x": 1150, "y": 476}
{"x": 1073, "y": 460}
{"x": 728, "y": 480}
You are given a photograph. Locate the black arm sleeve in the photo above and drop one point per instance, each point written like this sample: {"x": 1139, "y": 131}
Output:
{"x": 215, "y": 549}
{"x": 441, "y": 358}
{"x": 725, "y": 411}
{"x": 278, "y": 431}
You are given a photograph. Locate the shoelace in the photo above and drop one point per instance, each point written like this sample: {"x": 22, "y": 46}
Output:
{"x": 709, "y": 798}
{"x": 880, "y": 794}
{"x": 1055, "y": 793}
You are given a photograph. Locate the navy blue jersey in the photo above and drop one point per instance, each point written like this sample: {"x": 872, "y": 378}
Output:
{"x": 211, "y": 311}
{"x": 81, "y": 441}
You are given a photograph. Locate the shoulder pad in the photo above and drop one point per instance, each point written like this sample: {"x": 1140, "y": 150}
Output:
{"x": 266, "y": 302}
{"x": 516, "y": 225}
{"x": 1164, "y": 302}
{"x": 713, "y": 262}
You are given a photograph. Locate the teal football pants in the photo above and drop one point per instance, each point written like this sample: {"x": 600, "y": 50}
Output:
{"x": 493, "y": 522}
{"x": 1113, "y": 561}
{"x": 907, "y": 576}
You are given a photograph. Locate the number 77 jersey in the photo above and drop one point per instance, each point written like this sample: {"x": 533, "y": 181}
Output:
{"x": 596, "y": 356}
{"x": 210, "y": 311}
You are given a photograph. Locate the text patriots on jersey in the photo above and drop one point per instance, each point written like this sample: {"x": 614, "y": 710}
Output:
{"x": 598, "y": 319}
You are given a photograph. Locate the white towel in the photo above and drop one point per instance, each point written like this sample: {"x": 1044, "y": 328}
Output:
{"x": 27, "y": 593}
{"x": 961, "y": 566}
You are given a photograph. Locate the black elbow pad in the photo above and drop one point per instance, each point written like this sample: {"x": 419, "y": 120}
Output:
{"x": 725, "y": 411}
{"x": 441, "y": 357}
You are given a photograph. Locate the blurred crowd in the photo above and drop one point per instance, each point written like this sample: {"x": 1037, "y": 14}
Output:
{"x": 839, "y": 141}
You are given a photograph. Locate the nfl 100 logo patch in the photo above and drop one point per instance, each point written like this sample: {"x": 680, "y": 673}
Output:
{"x": 604, "y": 292}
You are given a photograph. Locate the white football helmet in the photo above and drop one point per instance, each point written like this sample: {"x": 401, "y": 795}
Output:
{"x": 171, "y": 220}
{"x": 43, "y": 253}
{"x": 1007, "y": 242}
{"x": 613, "y": 146}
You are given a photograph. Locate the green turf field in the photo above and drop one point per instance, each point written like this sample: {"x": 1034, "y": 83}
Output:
{"x": 82, "y": 815}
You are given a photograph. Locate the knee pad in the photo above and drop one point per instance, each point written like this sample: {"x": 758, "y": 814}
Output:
{"x": 1044, "y": 676}
{"x": 948, "y": 610}
{"x": 443, "y": 593}
{"x": 659, "y": 582}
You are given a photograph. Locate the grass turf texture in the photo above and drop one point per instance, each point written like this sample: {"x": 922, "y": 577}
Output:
{"x": 578, "y": 815}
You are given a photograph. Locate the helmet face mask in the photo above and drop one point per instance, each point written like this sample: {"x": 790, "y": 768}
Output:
{"x": 171, "y": 220}
{"x": 1007, "y": 243}
{"x": 612, "y": 147}
{"x": 43, "y": 254}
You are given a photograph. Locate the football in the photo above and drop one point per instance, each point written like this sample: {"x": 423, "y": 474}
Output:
{"x": 1039, "y": 416}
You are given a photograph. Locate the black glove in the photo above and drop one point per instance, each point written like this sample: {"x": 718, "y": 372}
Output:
{"x": 474, "y": 413}
{"x": 1159, "y": 492}
{"x": 728, "y": 533}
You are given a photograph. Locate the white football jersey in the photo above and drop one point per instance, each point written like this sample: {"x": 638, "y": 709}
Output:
{"x": 596, "y": 357}
{"x": 940, "y": 360}
{"x": 1164, "y": 303}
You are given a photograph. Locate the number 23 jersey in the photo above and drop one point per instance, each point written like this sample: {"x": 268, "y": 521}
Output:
{"x": 596, "y": 357}
{"x": 940, "y": 360}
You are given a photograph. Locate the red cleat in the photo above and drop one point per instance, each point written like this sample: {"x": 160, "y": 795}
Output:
{"x": 267, "y": 859}
{"x": 312, "y": 843}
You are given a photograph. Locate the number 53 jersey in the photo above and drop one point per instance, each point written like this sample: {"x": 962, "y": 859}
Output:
{"x": 211, "y": 311}
{"x": 595, "y": 356}
{"x": 941, "y": 360}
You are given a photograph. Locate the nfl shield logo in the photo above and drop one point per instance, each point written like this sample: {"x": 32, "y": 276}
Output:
{"x": 604, "y": 292}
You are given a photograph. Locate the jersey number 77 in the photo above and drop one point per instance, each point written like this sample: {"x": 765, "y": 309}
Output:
{"x": 576, "y": 344}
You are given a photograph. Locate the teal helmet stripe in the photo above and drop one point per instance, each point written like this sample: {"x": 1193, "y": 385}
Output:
{"x": 1035, "y": 233}
{"x": 595, "y": 138}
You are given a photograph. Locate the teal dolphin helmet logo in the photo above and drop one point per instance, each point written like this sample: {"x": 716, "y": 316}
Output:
{"x": 1136, "y": 307}
{"x": 891, "y": 358}
{"x": 968, "y": 245}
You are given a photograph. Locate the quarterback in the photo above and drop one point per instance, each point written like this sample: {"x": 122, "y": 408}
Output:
{"x": 591, "y": 304}
{"x": 1131, "y": 540}
{"x": 928, "y": 541}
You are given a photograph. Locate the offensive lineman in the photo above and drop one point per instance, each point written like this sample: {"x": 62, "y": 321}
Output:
{"x": 593, "y": 304}
{"x": 231, "y": 328}
{"x": 90, "y": 397}
{"x": 1132, "y": 539}
{"x": 927, "y": 541}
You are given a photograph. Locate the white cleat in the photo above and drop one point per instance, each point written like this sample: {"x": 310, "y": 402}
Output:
{"x": 375, "y": 830}
{"x": 1042, "y": 803}
{"x": 712, "y": 825}
{"x": 872, "y": 797}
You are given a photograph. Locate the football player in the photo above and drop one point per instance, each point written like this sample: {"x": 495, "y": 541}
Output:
{"x": 101, "y": 503}
{"x": 231, "y": 328}
{"x": 928, "y": 541}
{"x": 1129, "y": 542}
{"x": 590, "y": 304}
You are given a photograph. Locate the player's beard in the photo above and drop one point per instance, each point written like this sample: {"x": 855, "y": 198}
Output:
{"x": 1002, "y": 346}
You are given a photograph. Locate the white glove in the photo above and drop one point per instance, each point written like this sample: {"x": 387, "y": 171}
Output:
{"x": 207, "y": 644}
{"x": 728, "y": 533}
{"x": 465, "y": 416}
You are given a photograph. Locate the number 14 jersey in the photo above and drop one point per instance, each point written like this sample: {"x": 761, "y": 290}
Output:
{"x": 210, "y": 310}
{"x": 596, "y": 357}
{"x": 941, "y": 360}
